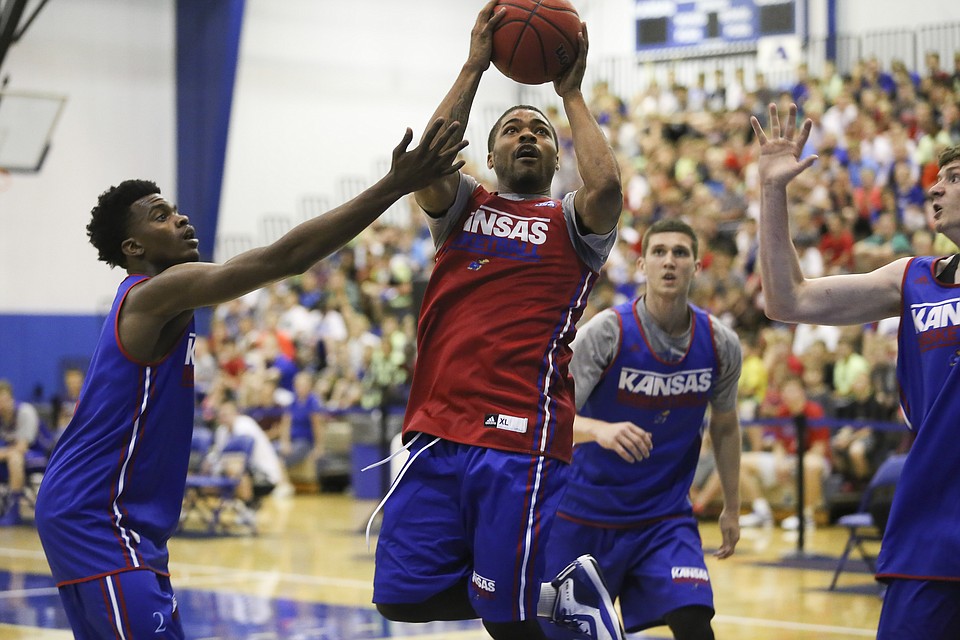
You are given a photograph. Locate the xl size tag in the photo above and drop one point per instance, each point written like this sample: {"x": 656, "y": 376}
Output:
{"x": 507, "y": 423}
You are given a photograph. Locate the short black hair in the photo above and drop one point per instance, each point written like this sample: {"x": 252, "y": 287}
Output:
{"x": 666, "y": 225}
{"x": 519, "y": 107}
{"x": 110, "y": 218}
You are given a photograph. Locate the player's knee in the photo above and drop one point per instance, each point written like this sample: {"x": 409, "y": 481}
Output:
{"x": 452, "y": 603}
{"x": 691, "y": 623}
{"x": 520, "y": 630}
{"x": 404, "y": 612}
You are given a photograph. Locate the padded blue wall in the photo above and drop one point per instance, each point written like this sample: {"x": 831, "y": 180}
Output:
{"x": 34, "y": 349}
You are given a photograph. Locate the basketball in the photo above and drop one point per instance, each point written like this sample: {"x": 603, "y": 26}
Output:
{"x": 536, "y": 40}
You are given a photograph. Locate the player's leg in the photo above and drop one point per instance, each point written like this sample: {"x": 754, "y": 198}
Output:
{"x": 510, "y": 504}
{"x": 423, "y": 558}
{"x": 521, "y": 630}
{"x": 691, "y": 623}
{"x": 131, "y": 604}
{"x": 927, "y": 609}
{"x": 76, "y": 616}
{"x": 452, "y": 603}
{"x": 569, "y": 541}
{"x": 667, "y": 574}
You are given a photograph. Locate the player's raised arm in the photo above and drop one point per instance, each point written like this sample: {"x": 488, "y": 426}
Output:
{"x": 789, "y": 297}
{"x": 192, "y": 284}
{"x": 600, "y": 199}
{"x": 437, "y": 197}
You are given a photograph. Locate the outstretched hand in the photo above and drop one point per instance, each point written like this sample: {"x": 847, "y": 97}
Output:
{"x": 434, "y": 158}
{"x": 572, "y": 78}
{"x": 779, "y": 160}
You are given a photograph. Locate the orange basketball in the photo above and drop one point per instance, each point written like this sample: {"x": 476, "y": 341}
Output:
{"x": 536, "y": 40}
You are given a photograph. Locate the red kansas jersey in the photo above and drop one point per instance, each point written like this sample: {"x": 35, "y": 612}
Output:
{"x": 497, "y": 319}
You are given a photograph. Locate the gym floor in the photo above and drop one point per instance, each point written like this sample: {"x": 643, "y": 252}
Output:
{"x": 307, "y": 575}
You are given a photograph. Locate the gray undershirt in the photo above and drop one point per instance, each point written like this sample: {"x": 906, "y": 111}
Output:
{"x": 597, "y": 341}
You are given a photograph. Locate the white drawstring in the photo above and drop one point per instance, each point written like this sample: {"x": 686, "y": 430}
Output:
{"x": 397, "y": 481}
{"x": 393, "y": 455}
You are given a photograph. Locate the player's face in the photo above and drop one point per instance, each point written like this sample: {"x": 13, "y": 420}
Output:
{"x": 669, "y": 264}
{"x": 945, "y": 199}
{"x": 524, "y": 154}
{"x": 164, "y": 236}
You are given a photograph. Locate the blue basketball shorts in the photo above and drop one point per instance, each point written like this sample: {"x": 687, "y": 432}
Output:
{"x": 130, "y": 604}
{"x": 472, "y": 515}
{"x": 654, "y": 568}
{"x": 928, "y": 609}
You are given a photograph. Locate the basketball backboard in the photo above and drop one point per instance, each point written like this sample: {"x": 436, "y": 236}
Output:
{"x": 27, "y": 121}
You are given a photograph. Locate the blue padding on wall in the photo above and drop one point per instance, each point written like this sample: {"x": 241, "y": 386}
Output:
{"x": 208, "y": 40}
{"x": 34, "y": 349}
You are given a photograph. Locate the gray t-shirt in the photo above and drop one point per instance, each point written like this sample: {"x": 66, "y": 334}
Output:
{"x": 596, "y": 344}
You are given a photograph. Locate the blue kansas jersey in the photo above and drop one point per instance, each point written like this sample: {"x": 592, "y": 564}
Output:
{"x": 922, "y": 538}
{"x": 111, "y": 495}
{"x": 667, "y": 399}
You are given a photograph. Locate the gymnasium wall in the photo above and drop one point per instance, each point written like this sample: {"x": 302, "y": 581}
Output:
{"x": 860, "y": 16}
{"x": 324, "y": 91}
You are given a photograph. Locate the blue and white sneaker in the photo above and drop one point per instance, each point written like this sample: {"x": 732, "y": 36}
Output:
{"x": 577, "y": 600}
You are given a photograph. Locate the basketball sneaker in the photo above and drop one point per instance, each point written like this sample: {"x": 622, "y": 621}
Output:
{"x": 792, "y": 523}
{"x": 754, "y": 519}
{"x": 577, "y": 600}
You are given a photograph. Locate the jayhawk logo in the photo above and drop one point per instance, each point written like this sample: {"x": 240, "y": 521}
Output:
{"x": 476, "y": 264}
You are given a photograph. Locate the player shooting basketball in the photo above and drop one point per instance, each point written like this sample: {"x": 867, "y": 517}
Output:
{"x": 489, "y": 422}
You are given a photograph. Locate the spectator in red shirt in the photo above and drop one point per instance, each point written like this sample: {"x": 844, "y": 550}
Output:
{"x": 772, "y": 466}
{"x": 836, "y": 245}
{"x": 868, "y": 197}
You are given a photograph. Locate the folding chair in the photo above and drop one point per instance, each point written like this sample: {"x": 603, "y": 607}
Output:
{"x": 209, "y": 497}
{"x": 862, "y": 525}
{"x": 200, "y": 444}
{"x": 35, "y": 462}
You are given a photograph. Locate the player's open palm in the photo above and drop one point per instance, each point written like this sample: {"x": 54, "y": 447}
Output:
{"x": 779, "y": 160}
{"x": 434, "y": 158}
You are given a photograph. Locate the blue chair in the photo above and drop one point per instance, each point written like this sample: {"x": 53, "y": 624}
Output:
{"x": 35, "y": 461}
{"x": 200, "y": 445}
{"x": 862, "y": 525}
{"x": 210, "y": 496}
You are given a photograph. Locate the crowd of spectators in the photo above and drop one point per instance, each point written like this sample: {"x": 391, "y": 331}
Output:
{"x": 342, "y": 337}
